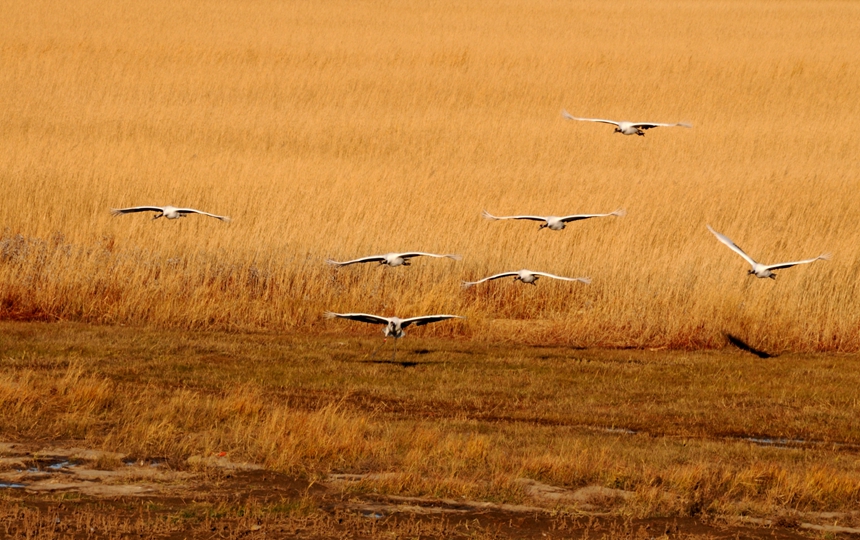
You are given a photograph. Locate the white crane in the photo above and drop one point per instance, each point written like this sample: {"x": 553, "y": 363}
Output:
{"x": 627, "y": 128}
{"x": 392, "y": 259}
{"x": 762, "y": 270}
{"x": 393, "y": 325}
{"x": 525, "y": 276}
{"x": 170, "y": 212}
{"x": 554, "y": 223}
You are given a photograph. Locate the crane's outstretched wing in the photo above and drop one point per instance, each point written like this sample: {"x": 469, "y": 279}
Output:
{"x": 133, "y": 209}
{"x": 581, "y": 279}
{"x": 427, "y": 319}
{"x": 195, "y": 211}
{"x": 488, "y": 215}
{"x": 372, "y": 258}
{"x": 727, "y": 241}
{"x": 823, "y": 257}
{"x": 360, "y": 317}
{"x": 649, "y": 125}
{"x": 601, "y": 120}
{"x": 577, "y": 217}
{"x": 422, "y": 254}
{"x": 467, "y": 284}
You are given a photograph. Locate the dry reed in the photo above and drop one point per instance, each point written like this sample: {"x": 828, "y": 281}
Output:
{"x": 347, "y": 129}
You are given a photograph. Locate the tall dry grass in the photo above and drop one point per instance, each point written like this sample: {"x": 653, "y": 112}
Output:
{"x": 344, "y": 129}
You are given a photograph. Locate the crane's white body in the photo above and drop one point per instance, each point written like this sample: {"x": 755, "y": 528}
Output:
{"x": 393, "y": 325}
{"x": 625, "y": 128}
{"x": 762, "y": 270}
{"x": 554, "y": 223}
{"x": 392, "y": 259}
{"x": 525, "y": 276}
{"x": 169, "y": 212}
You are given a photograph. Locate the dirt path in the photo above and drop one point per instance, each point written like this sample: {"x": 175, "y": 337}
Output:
{"x": 54, "y": 492}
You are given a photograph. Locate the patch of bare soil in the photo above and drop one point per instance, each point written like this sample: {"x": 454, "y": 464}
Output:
{"x": 76, "y": 493}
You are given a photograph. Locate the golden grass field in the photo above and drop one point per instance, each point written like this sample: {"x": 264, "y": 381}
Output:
{"x": 344, "y": 129}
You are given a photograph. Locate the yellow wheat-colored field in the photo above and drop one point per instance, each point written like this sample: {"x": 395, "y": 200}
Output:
{"x": 343, "y": 129}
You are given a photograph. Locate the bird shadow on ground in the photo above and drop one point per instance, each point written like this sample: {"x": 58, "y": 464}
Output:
{"x": 401, "y": 363}
{"x": 397, "y": 362}
{"x": 465, "y": 352}
{"x": 744, "y": 346}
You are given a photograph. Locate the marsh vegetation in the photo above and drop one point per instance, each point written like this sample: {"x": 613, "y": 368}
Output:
{"x": 347, "y": 129}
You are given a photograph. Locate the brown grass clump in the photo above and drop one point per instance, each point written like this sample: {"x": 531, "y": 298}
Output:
{"x": 349, "y": 129}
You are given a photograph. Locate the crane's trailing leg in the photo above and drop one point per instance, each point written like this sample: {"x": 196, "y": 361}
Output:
{"x": 373, "y": 354}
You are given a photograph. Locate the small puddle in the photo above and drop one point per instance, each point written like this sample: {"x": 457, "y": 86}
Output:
{"x": 787, "y": 443}
{"x": 49, "y": 466}
{"x": 12, "y": 486}
{"x": 759, "y": 441}
{"x": 622, "y": 431}
{"x": 607, "y": 429}
{"x": 796, "y": 443}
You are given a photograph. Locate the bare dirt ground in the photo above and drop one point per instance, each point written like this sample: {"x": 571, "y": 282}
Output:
{"x": 54, "y": 492}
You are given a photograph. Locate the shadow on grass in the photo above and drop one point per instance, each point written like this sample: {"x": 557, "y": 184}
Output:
{"x": 401, "y": 363}
{"x": 395, "y": 362}
{"x": 744, "y": 346}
